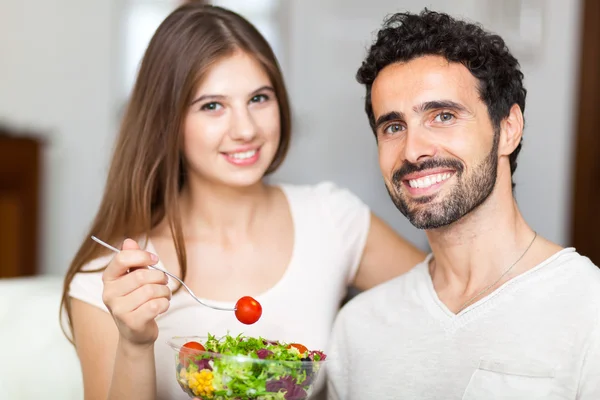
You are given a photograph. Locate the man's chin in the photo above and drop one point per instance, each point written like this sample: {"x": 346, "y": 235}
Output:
{"x": 425, "y": 216}
{"x": 420, "y": 211}
{"x": 426, "y": 224}
{"x": 423, "y": 199}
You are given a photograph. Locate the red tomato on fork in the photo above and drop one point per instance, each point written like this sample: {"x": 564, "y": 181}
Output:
{"x": 188, "y": 349}
{"x": 248, "y": 310}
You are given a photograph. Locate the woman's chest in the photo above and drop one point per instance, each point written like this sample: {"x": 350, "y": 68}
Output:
{"x": 227, "y": 272}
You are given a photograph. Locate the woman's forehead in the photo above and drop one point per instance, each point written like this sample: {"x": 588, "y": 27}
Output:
{"x": 238, "y": 73}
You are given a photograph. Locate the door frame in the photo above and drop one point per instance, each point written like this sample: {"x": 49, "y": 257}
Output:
{"x": 585, "y": 223}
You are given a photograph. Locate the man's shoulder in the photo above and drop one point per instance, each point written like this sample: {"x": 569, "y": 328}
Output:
{"x": 573, "y": 281}
{"x": 579, "y": 269}
{"x": 582, "y": 274}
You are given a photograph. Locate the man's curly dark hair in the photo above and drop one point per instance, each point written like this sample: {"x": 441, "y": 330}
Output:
{"x": 406, "y": 36}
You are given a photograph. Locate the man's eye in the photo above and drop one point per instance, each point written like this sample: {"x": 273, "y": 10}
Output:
{"x": 211, "y": 106}
{"x": 392, "y": 128}
{"x": 444, "y": 117}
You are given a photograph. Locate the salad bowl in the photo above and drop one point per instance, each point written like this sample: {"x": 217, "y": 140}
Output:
{"x": 244, "y": 368}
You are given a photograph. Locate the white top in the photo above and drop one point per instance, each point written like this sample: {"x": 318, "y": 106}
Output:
{"x": 331, "y": 227}
{"x": 536, "y": 337}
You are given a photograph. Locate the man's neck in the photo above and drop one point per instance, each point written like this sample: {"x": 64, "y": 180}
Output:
{"x": 474, "y": 252}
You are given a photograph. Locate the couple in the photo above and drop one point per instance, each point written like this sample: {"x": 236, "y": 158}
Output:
{"x": 494, "y": 312}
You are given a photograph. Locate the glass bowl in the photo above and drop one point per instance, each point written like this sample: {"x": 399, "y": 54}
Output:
{"x": 207, "y": 375}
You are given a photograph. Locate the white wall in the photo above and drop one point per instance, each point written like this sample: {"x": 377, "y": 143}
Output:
{"x": 59, "y": 73}
{"x": 544, "y": 174}
{"x": 56, "y": 61}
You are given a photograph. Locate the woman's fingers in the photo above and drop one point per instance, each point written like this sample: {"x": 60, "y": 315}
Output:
{"x": 130, "y": 257}
{"x": 139, "y": 297}
{"x": 134, "y": 280}
{"x": 135, "y": 294}
{"x": 137, "y": 320}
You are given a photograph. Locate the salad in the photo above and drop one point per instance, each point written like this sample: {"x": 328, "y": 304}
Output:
{"x": 243, "y": 367}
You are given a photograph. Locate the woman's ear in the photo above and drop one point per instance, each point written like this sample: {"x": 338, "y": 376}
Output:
{"x": 511, "y": 131}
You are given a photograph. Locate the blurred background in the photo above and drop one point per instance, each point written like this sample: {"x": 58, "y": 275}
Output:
{"x": 66, "y": 71}
{"x": 67, "y": 67}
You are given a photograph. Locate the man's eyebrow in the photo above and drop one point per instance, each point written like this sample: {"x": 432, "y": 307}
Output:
{"x": 391, "y": 116}
{"x": 439, "y": 104}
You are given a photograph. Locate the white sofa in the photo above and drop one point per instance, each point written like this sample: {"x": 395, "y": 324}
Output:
{"x": 36, "y": 360}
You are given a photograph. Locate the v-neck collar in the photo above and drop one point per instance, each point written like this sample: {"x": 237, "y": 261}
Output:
{"x": 451, "y": 321}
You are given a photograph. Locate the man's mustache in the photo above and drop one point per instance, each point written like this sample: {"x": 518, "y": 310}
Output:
{"x": 409, "y": 168}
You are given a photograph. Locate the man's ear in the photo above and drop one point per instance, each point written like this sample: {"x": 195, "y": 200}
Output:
{"x": 511, "y": 131}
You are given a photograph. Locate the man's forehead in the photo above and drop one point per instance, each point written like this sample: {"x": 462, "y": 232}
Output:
{"x": 428, "y": 78}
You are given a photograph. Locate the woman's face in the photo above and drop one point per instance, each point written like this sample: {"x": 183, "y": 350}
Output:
{"x": 232, "y": 128}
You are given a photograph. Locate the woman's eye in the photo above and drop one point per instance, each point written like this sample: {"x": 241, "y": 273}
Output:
{"x": 211, "y": 106}
{"x": 259, "y": 98}
{"x": 444, "y": 117}
{"x": 393, "y": 128}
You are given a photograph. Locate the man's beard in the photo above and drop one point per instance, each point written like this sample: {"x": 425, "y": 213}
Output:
{"x": 468, "y": 193}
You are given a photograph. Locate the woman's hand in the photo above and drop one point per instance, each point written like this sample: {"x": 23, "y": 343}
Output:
{"x": 134, "y": 294}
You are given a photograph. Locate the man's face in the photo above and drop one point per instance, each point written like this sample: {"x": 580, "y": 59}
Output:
{"x": 437, "y": 149}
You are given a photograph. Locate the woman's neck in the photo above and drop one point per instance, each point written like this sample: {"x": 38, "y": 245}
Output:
{"x": 221, "y": 212}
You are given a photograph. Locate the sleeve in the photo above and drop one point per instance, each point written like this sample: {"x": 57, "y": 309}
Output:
{"x": 589, "y": 385}
{"x": 351, "y": 220}
{"x": 88, "y": 286}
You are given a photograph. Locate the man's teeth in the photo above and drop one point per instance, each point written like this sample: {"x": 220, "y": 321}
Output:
{"x": 427, "y": 181}
{"x": 243, "y": 155}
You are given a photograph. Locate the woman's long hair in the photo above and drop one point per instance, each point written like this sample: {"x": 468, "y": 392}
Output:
{"x": 146, "y": 171}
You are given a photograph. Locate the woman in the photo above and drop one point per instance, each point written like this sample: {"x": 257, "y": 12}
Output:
{"x": 207, "y": 120}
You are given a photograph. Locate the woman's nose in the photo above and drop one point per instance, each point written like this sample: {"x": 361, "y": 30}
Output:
{"x": 244, "y": 127}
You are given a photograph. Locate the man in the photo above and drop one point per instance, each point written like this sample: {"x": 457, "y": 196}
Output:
{"x": 496, "y": 311}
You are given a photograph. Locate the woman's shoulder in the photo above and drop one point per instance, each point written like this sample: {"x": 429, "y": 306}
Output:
{"x": 96, "y": 264}
{"x": 87, "y": 284}
{"x": 322, "y": 192}
{"x": 329, "y": 204}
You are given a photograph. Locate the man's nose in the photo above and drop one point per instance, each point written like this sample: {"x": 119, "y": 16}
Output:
{"x": 418, "y": 145}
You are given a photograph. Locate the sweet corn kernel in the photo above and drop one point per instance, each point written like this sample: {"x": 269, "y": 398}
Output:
{"x": 201, "y": 383}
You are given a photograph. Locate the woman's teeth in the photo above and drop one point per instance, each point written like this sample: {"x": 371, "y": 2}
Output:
{"x": 429, "y": 180}
{"x": 242, "y": 155}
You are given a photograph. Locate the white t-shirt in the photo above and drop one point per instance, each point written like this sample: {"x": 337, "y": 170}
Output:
{"x": 331, "y": 227}
{"x": 536, "y": 337}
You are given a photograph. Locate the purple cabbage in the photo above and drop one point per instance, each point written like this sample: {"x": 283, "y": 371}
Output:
{"x": 292, "y": 390}
{"x": 203, "y": 364}
{"x": 311, "y": 355}
{"x": 263, "y": 353}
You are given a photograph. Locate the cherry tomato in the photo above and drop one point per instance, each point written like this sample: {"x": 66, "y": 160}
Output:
{"x": 248, "y": 310}
{"x": 301, "y": 348}
{"x": 188, "y": 349}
